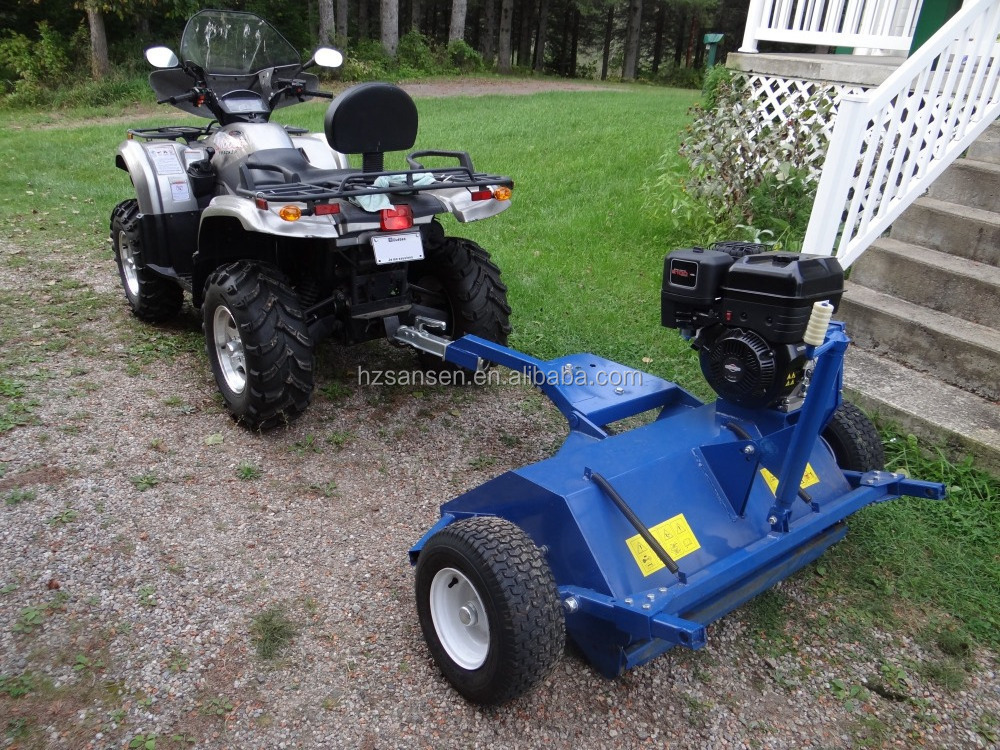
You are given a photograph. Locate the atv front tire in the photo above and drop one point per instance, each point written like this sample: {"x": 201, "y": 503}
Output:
{"x": 151, "y": 297}
{"x": 258, "y": 344}
{"x": 458, "y": 278}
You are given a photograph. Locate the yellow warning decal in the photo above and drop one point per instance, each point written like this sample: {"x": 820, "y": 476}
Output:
{"x": 674, "y": 535}
{"x": 809, "y": 478}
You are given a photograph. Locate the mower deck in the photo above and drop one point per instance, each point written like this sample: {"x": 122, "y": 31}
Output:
{"x": 711, "y": 483}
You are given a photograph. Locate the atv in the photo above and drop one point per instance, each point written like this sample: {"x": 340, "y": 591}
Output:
{"x": 279, "y": 241}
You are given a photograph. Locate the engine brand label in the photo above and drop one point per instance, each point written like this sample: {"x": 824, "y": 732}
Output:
{"x": 809, "y": 478}
{"x": 674, "y": 535}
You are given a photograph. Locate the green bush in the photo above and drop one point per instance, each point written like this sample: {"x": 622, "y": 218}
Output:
{"x": 464, "y": 58}
{"x": 676, "y": 76}
{"x": 752, "y": 178}
{"x": 45, "y": 60}
{"x": 415, "y": 53}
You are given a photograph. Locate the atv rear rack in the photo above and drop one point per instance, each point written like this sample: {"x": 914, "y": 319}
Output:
{"x": 349, "y": 184}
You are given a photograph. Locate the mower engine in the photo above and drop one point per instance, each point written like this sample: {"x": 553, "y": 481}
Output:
{"x": 746, "y": 312}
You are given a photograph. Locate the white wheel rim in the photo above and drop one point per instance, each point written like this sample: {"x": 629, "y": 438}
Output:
{"x": 229, "y": 350}
{"x": 459, "y": 618}
{"x": 128, "y": 264}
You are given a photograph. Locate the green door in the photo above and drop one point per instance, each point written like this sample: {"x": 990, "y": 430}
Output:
{"x": 933, "y": 15}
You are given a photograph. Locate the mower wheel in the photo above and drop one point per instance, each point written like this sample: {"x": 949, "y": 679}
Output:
{"x": 489, "y": 609}
{"x": 258, "y": 344}
{"x": 151, "y": 297}
{"x": 458, "y": 278}
{"x": 854, "y": 440}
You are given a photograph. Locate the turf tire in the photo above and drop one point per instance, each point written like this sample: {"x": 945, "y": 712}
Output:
{"x": 514, "y": 584}
{"x": 854, "y": 440}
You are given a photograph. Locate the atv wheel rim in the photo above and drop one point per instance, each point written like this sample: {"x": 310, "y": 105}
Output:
{"x": 229, "y": 350}
{"x": 128, "y": 264}
{"x": 459, "y": 618}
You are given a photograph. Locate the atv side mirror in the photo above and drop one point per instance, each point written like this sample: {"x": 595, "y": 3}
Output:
{"x": 161, "y": 57}
{"x": 327, "y": 57}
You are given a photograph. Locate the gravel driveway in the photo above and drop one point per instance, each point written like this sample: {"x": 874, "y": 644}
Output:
{"x": 143, "y": 535}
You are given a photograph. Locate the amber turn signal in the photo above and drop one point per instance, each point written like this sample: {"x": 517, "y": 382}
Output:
{"x": 290, "y": 213}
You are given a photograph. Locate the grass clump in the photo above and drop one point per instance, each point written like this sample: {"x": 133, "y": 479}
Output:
{"x": 935, "y": 556}
{"x": 271, "y": 631}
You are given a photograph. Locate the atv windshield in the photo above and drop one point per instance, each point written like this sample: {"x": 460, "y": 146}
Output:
{"x": 234, "y": 43}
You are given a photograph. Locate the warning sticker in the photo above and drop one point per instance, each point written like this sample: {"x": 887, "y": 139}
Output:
{"x": 809, "y": 478}
{"x": 674, "y": 535}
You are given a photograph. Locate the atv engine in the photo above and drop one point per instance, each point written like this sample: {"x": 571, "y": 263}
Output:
{"x": 746, "y": 312}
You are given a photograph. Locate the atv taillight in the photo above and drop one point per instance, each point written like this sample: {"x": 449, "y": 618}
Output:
{"x": 394, "y": 219}
{"x": 261, "y": 203}
{"x": 482, "y": 195}
{"x": 325, "y": 209}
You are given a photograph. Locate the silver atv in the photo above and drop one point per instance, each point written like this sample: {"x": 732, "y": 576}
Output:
{"x": 278, "y": 240}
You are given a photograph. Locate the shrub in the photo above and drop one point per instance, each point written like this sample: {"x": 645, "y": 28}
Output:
{"x": 465, "y": 58}
{"x": 415, "y": 52}
{"x": 754, "y": 178}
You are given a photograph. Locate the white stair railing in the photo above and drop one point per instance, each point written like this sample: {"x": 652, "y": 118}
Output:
{"x": 890, "y": 143}
{"x": 870, "y": 24}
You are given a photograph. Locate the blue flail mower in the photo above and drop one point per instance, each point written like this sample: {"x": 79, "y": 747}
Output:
{"x": 630, "y": 543}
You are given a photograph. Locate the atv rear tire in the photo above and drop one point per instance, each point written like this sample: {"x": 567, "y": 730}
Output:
{"x": 458, "y": 278}
{"x": 151, "y": 297}
{"x": 489, "y": 608}
{"x": 258, "y": 344}
{"x": 854, "y": 440}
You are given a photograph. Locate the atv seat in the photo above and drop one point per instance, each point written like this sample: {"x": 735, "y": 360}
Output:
{"x": 283, "y": 166}
{"x": 370, "y": 119}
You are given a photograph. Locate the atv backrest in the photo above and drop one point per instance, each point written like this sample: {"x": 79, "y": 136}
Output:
{"x": 370, "y": 119}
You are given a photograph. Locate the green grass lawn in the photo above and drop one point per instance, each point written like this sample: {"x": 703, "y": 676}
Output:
{"x": 581, "y": 250}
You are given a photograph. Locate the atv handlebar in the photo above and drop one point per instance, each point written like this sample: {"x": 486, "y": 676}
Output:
{"x": 190, "y": 96}
{"x": 294, "y": 88}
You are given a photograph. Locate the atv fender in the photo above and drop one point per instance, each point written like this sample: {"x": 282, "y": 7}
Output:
{"x": 459, "y": 202}
{"x": 253, "y": 219}
{"x": 156, "y": 168}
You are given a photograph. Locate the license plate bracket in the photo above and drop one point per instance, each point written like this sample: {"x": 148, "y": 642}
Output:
{"x": 397, "y": 248}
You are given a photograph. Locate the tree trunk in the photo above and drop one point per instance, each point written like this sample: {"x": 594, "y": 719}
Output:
{"x": 543, "y": 21}
{"x": 390, "y": 26}
{"x": 527, "y": 22}
{"x": 488, "y": 46}
{"x": 100, "y": 66}
{"x": 562, "y": 62}
{"x": 327, "y": 23}
{"x": 679, "y": 40}
{"x": 342, "y": 23}
{"x": 416, "y": 10}
{"x": 575, "y": 43}
{"x": 691, "y": 39}
{"x": 632, "y": 40}
{"x": 658, "y": 37}
{"x": 363, "y": 20}
{"x": 609, "y": 27}
{"x": 458, "y": 11}
{"x": 506, "y": 27}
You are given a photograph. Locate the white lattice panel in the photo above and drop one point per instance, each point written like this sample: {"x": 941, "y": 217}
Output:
{"x": 778, "y": 101}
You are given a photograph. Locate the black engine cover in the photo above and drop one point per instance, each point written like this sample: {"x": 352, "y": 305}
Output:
{"x": 747, "y": 314}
